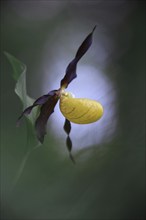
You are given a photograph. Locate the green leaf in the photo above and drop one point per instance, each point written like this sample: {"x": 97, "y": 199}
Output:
{"x": 19, "y": 74}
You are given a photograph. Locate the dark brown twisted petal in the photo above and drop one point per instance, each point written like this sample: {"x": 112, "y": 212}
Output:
{"x": 71, "y": 68}
{"x": 46, "y": 110}
{"x": 40, "y": 101}
{"x": 67, "y": 128}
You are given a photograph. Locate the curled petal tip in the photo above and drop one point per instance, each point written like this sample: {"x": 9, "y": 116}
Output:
{"x": 72, "y": 158}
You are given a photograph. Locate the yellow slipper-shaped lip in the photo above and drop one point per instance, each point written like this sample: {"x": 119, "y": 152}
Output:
{"x": 80, "y": 110}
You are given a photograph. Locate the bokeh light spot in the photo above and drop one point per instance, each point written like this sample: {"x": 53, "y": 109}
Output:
{"x": 93, "y": 84}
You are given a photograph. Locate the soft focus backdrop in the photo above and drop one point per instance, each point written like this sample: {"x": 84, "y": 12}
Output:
{"x": 108, "y": 180}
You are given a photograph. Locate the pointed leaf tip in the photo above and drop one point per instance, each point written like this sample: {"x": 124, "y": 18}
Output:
{"x": 18, "y": 66}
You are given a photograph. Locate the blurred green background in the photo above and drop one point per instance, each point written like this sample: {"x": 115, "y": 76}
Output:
{"x": 108, "y": 180}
